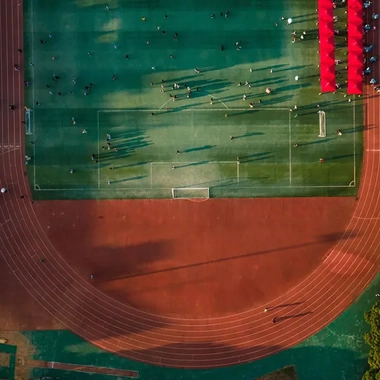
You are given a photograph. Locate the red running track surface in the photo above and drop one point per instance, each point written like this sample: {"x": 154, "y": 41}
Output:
{"x": 346, "y": 270}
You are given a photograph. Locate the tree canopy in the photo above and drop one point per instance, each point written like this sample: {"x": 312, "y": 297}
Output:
{"x": 372, "y": 338}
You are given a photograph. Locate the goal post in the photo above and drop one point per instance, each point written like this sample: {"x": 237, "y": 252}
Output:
{"x": 190, "y": 193}
{"x": 28, "y": 123}
{"x": 322, "y": 124}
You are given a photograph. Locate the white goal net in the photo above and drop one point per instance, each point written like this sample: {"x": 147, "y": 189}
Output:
{"x": 191, "y": 193}
{"x": 322, "y": 124}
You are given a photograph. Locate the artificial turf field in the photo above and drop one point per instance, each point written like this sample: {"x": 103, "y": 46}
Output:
{"x": 260, "y": 160}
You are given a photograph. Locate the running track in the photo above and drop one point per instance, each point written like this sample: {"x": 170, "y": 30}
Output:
{"x": 345, "y": 272}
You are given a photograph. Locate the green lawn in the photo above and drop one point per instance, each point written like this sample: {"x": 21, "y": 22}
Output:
{"x": 260, "y": 160}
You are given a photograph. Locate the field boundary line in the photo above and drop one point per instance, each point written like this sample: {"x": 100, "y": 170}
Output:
{"x": 194, "y": 109}
{"x": 354, "y": 137}
{"x": 98, "y": 128}
{"x": 171, "y": 163}
{"x": 39, "y": 189}
{"x": 151, "y": 175}
{"x": 33, "y": 97}
{"x": 290, "y": 150}
{"x": 166, "y": 188}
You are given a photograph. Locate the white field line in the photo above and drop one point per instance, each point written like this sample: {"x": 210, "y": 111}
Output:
{"x": 168, "y": 188}
{"x": 354, "y": 137}
{"x": 33, "y": 97}
{"x": 290, "y": 150}
{"x": 98, "y": 129}
{"x": 192, "y": 162}
{"x": 213, "y": 109}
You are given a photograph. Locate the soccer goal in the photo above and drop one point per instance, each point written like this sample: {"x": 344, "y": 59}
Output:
{"x": 191, "y": 193}
{"x": 322, "y": 124}
{"x": 28, "y": 124}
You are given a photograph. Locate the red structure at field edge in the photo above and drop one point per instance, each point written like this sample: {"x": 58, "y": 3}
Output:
{"x": 57, "y": 287}
{"x": 326, "y": 45}
{"x": 355, "y": 47}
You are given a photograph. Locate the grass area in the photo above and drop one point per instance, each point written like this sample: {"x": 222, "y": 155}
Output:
{"x": 7, "y": 360}
{"x": 90, "y": 44}
{"x": 287, "y": 373}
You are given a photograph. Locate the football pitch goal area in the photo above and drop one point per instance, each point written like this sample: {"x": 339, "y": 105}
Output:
{"x": 197, "y": 153}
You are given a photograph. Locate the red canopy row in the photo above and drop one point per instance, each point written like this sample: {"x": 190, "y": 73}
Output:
{"x": 326, "y": 45}
{"x": 355, "y": 47}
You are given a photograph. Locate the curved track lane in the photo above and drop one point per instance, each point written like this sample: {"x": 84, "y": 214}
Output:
{"x": 247, "y": 336}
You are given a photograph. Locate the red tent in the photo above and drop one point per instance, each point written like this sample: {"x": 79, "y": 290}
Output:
{"x": 356, "y": 30}
{"x": 355, "y": 89}
{"x": 355, "y": 47}
{"x": 326, "y": 46}
{"x": 327, "y": 86}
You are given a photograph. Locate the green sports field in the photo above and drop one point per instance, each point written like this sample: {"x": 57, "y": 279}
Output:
{"x": 211, "y": 143}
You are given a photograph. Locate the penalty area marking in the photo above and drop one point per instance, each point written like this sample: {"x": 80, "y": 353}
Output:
{"x": 195, "y": 109}
{"x": 165, "y": 104}
{"x": 214, "y": 97}
{"x": 352, "y": 183}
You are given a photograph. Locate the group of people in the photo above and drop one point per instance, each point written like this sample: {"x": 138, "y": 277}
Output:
{"x": 238, "y": 45}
